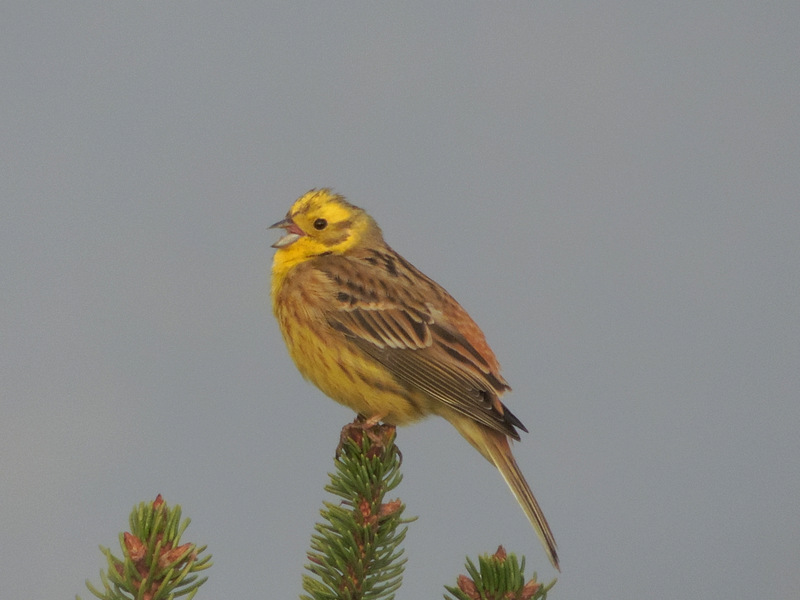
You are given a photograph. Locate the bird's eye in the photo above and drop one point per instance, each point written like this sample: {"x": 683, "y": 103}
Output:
{"x": 320, "y": 224}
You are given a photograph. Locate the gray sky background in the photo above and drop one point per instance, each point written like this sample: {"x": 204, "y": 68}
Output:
{"x": 610, "y": 189}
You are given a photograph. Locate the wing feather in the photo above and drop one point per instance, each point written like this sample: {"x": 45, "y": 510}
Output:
{"x": 398, "y": 326}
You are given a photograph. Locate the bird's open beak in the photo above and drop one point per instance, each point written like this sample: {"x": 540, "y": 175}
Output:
{"x": 293, "y": 233}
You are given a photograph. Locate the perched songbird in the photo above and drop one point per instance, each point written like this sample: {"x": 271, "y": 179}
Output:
{"x": 375, "y": 334}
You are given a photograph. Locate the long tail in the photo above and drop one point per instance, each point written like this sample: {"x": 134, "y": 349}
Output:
{"x": 495, "y": 447}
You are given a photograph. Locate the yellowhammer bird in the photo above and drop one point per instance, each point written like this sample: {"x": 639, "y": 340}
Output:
{"x": 375, "y": 334}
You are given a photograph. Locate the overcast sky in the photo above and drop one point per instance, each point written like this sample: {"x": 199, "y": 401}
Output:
{"x": 610, "y": 189}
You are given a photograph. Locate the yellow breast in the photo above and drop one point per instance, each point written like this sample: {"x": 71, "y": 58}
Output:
{"x": 331, "y": 362}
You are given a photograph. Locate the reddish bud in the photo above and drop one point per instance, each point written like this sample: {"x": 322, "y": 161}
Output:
{"x": 134, "y": 546}
{"x": 466, "y": 585}
{"x": 170, "y": 556}
{"x": 365, "y": 509}
{"x": 500, "y": 555}
{"x": 529, "y": 589}
{"x": 389, "y": 508}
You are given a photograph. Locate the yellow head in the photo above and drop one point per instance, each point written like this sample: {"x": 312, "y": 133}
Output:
{"x": 321, "y": 222}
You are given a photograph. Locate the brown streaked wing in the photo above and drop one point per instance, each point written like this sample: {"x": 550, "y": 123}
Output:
{"x": 394, "y": 326}
{"x": 454, "y": 387}
{"x": 382, "y": 327}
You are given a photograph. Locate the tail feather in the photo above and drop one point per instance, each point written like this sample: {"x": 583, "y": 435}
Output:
{"x": 495, "y": 447}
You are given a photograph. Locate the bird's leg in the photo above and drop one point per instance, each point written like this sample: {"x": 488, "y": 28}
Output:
{"x": 370, "y": 422}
